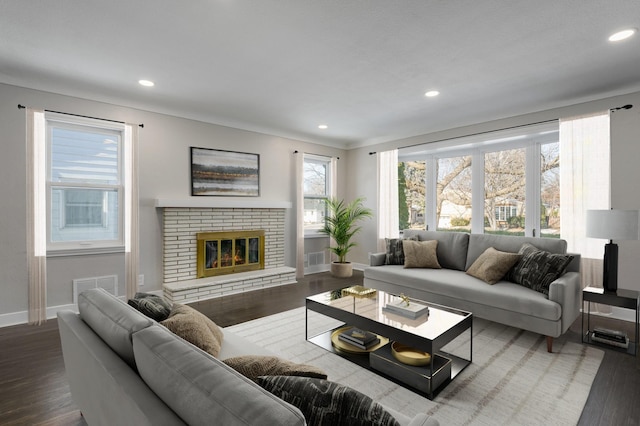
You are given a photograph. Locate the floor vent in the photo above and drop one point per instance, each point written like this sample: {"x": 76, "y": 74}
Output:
{"x": 108, "y": 282}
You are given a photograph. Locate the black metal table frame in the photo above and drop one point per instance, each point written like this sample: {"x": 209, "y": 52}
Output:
{"x": 628, "y": 299}
{"x": 396, "y": 334}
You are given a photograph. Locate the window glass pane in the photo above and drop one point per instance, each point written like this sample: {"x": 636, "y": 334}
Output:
{"x": 84, "y": 156}
{"x": 504, "y": 189}
{"x": 84, "y": 214}
{"x": 453, "y": 194}
{"x": 411, "y": 194}
{"x": 315, "y": 177}
{"x": 550, "y": 190}
{"x": 314, "y": 213}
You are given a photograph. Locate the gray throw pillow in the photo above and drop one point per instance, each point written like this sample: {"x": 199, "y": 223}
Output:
{"x": 395, "y": 252}
{"x": 328, "y": 403}
{"x": 538, "y": 268}
{"x": 153, "y": 306}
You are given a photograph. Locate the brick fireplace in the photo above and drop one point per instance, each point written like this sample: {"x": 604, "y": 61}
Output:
{"x": 183, "y": 220}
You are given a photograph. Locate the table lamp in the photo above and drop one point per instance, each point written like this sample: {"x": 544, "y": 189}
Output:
{"x": 612, "y": 225}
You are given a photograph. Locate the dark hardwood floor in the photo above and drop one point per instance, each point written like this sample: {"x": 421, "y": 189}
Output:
{"x": 34, "y": 391}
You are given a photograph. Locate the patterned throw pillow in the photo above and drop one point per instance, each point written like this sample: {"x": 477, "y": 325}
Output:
{"x": 538, "y": 268}
{"x": 492, "y": 265}
{"x": 327, "y": 403}
{"x": 253, "y": 366}
{"x": 195, "y": 328}
{"x": 395, "y": 253}
{"x": 153, "y": 306}
{"x": 421, "y": 254}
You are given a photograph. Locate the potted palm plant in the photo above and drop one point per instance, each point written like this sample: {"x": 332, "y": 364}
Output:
{"x": 340, "y": 225}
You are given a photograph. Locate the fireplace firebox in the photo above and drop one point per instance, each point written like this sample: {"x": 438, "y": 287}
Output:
{"x": 229, "y": 252}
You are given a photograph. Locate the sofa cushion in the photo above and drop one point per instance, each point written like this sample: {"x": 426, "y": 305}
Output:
{"x": 327, "y": 403}
{"x": 203, "y": 390}
{"x": 457, "y": 285}
{"x": 113, "y": 320}
{"x": 421, "y": 254}
{"x": 195, "y": 328}
{"x": 154, "y": 306}
{"x": 252, "y": 366}
{"x": 395, "y": 250}
{"x": 537, "y": 269}
{"x": 452, "y": 246}
{"x": 478, "y": 243}
{"x": 492, "y": 265}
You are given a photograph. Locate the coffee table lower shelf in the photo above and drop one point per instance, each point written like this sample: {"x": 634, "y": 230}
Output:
{"x": 417, "y": 379}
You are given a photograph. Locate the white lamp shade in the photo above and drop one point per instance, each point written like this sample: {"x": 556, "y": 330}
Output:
{"x": 612, "y": 224}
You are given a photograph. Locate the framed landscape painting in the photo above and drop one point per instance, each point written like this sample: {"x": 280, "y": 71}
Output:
{"x": 224, "y": 173}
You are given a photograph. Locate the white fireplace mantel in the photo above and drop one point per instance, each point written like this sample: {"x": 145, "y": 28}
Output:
{"x": 222, "y": 203}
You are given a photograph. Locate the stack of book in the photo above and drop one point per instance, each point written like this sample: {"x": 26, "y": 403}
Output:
{"x": 359, "y": 338}
{"x": 610, "y": 337}
{"x": 413, "y": 310}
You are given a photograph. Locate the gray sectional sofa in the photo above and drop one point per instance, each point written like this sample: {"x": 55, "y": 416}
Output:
{"x": 124, "y": 368}
{"x": 504, "y": 302}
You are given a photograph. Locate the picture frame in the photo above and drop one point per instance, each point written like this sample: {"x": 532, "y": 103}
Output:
{"x": 217, "y": 172}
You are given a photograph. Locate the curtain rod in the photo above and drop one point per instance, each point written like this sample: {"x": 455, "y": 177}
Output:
{"x": 628, "y": 106}
{"x": 318, "y": 155}
{"x": 82, "y": 116}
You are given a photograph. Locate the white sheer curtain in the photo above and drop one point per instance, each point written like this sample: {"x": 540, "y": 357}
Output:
{"x": 299, "y": 160}
{"x": 36, "y": 216}
{"x": 584, "y": 185}
{"x": 388, "y": 221}
{"x": 131, "y": 236}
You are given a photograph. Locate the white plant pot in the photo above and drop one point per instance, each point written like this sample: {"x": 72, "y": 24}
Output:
{"x": 341, "y": 270}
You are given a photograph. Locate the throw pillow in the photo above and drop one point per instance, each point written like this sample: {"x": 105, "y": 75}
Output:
{"x": 252, "y": 366}
{"x": 492, "y": 265}
{"x": 421, "y": 254}
{"x": 327, "y": 403}
{"x": 395, "y": 253}
{"x": 538, "y": 268}
{"x": 153, "y": 306}
{"x": 195, "y": 328}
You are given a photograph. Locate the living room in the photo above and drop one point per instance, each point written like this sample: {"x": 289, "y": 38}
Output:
{"x": 164, "y": 168}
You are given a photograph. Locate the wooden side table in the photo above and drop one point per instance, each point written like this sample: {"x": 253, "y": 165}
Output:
{"x": 629, "y": 299}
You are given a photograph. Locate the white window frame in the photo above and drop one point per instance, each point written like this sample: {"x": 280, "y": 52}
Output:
{"x": 477, "y": 146}
{"x": 89, "y": 246}
{"x": 310, "y": 232}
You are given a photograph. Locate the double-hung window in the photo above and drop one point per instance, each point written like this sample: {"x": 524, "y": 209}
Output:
{"x": 85, "y": 184}
{"x": 317, "y": 187}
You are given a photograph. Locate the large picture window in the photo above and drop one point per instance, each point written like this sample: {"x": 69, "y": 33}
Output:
{"x": 503, "y": 183}
{"x": 85, "y": 179}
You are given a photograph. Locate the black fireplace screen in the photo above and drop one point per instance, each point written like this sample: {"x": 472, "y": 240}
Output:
{"x": 229, "y": 252}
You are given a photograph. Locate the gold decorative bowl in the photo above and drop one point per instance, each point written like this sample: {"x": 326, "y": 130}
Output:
{"x": 410, "y": 356}
{"x": 342, "y": 346}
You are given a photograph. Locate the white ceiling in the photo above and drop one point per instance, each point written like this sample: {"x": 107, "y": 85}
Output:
{"x": 360, "y": 66}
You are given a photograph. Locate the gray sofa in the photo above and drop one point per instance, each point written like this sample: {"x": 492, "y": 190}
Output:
{"x": 503, "y": 302}
{"x": 125, "y": 368}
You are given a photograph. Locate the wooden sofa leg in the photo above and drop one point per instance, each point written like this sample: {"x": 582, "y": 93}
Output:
{"x": 549, "y": 344}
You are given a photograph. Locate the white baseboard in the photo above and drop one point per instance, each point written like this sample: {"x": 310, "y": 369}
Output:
{"x": 22, "y": 317}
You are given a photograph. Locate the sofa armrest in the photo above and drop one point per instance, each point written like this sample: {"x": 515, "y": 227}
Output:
{"x": 566, "y": 292}
{"x": 377, "y": 259}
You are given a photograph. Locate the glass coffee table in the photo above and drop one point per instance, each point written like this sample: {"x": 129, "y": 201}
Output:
{"x": 439, "y": 342}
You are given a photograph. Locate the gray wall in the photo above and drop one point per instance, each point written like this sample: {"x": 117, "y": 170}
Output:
{"x": 164, "y": 173}
{"x": 625, "y": 175}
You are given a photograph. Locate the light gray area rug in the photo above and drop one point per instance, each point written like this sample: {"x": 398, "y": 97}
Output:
{"x": 513, "y": 379}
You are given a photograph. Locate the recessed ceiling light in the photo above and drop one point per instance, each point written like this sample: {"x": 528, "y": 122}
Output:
{"x": 323, "y": 126}
{"x": 622, "y": 35}
{"x": 432, "y": 93}
{"x": 146, "y": 83}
